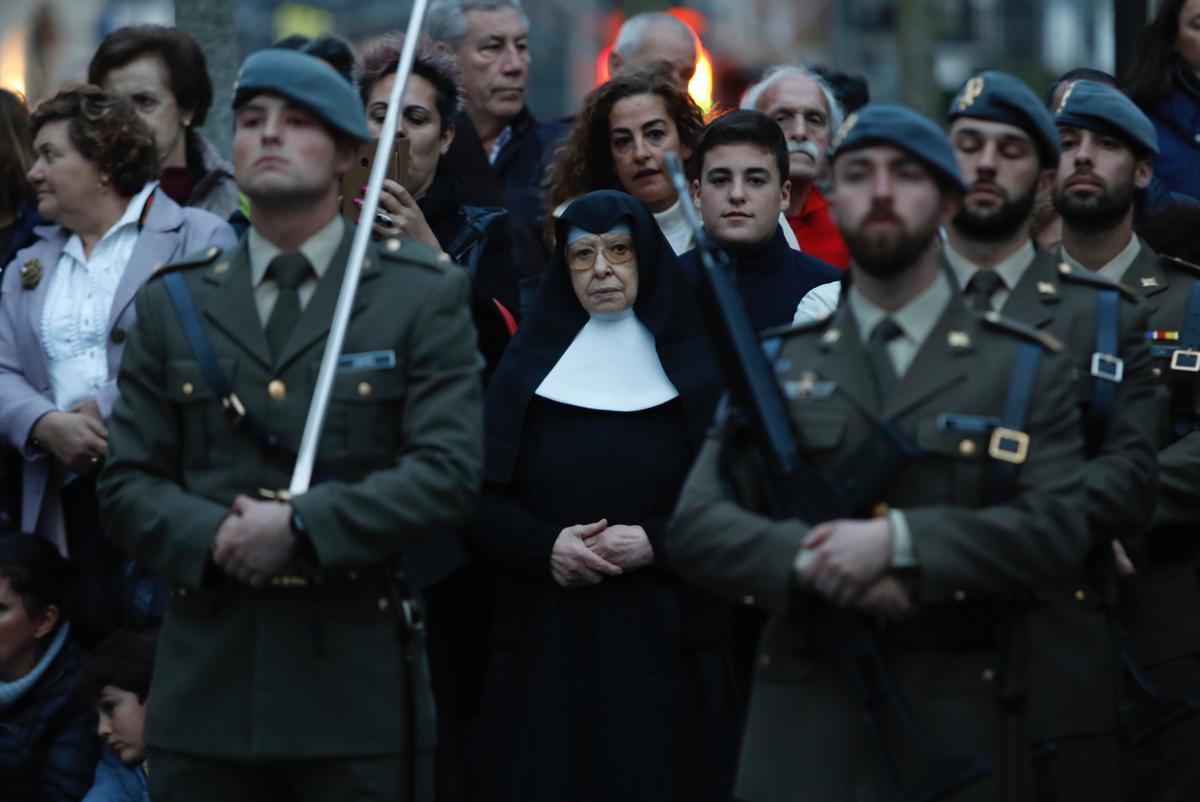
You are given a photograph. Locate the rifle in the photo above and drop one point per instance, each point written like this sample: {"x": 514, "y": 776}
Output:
{"x": 794, "y": 489}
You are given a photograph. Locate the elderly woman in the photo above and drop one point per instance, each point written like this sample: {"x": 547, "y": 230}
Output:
{"x": 48, "y": 745}
{"x": 426, "y": 208}
{"x": 620, "y": 140}
{"x": 608, "y": 677}
{"x": 67, "y": 304}
{"x": 162, "y": 70}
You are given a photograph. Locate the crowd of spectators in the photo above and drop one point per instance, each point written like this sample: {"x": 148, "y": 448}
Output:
{"x": 539, "y": 685}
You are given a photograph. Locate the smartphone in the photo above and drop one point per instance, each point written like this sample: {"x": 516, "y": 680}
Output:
{"x": 360, "y": 172}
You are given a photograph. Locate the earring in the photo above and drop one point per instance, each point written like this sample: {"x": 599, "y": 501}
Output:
{"x": 103, "y": 181}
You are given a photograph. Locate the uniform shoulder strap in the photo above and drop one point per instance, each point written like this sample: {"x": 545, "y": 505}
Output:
{"x": 997, "y": 321}
{"x": 1090, "y": 278}
{"x": 205, "y": 257}
{"x": 408, "y": 251}
{"x": 1183, "y": 264}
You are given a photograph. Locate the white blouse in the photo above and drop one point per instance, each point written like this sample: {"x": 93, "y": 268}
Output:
{"x": 79, "y": 302}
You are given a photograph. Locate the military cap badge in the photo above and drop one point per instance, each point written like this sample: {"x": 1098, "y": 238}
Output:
{"x": 844, "y": 131}
{"x": 970, "y": 93}
{"x": 31, "y": 274}
{"x": 1062, "y": 103}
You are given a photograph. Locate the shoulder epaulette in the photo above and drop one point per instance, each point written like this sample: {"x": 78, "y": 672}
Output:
{"x": 205, "y": 257}
{"x": 1191, "y": 267}
{"x": 996, "y": 320}
{"x": 1091, "y": 278}
{"x": 413, "y": 252}
{"x": 794, "y": 328}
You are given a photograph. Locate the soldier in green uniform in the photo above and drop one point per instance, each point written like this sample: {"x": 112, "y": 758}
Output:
{"x": 283, "y": 671}
{"x": 983, "y": 513}
{"x": 1108, "y": 147}
{"x": 1007, "y": 147}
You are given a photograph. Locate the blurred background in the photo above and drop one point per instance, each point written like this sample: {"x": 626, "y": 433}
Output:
{"x": 913, "y": 51}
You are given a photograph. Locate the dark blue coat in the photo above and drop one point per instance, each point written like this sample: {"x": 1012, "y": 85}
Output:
{"x": 772, "y": 277}
{"x": 1177, "y": 120}
{"x": 48, "y": 744}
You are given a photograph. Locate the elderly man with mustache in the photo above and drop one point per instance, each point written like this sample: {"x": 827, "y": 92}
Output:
{"x": 803, "y": 104}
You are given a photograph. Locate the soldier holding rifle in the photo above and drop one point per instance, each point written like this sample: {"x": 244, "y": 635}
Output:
{"x": 289, "y": 663}
{"x": 893, "y": 665}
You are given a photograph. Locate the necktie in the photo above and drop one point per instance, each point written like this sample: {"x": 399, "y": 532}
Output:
{"x": 885, "y": 373}
{"x": 982, "y": 287}
{"x": 289, "y": 270}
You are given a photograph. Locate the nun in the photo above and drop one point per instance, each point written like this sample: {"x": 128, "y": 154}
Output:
{"x": 609, "y": 679}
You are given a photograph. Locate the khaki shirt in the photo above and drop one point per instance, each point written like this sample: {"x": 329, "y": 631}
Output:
{"x": 318, "y": 249}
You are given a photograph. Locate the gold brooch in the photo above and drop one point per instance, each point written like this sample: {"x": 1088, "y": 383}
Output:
{"x": 31, "y": 274}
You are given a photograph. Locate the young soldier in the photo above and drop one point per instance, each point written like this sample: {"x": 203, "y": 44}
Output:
{"x": 1108, "y": 146}
{"x": 981, "y": 509}
{"x": 1007, "y": 149}
{"x": 741, "y": 163}
{"x": 280, "y": 673}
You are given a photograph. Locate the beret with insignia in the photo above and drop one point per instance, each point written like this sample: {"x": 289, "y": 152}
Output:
{"x": 1096, "y": 107}
{"x": 308, "y": 81}
{"x": 903, "y": 128}
{"x": 1000, "y": 97}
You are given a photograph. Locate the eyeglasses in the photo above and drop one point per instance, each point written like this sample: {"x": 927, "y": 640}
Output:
{"x": 617, "y": 249}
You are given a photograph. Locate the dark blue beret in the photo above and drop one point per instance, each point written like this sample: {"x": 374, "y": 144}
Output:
{"x": 901, "y": 127}
{"x": 999, "y": 97}
{"x": 306, "y": 80}
{"x": 1096, "y": 107}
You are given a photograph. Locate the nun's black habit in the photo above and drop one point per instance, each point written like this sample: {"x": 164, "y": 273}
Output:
{"x": 620, "y": 691}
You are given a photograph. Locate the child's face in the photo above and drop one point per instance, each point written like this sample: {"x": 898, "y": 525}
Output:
{"x": 122, "y": 718}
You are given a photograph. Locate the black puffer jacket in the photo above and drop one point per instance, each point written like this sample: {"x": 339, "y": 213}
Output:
{"x": 48, "y": 742}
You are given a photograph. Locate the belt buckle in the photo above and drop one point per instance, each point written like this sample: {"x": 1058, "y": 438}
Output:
{"x": 1008, "y": 445}
{"x": 1108, "y": 367}
{"x": 1186, "y": 360}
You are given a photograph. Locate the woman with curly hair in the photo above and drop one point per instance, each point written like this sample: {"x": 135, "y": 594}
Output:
{"x": 67, "y": 305}
{"x": 620, "y": 140}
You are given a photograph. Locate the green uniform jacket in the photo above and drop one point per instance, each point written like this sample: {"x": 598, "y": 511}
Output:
{"x": 805, "y": 737}
{"x": 295, "y": 671}
{"x": 1074, "y": 686}
{"x": 1160, "y": 607}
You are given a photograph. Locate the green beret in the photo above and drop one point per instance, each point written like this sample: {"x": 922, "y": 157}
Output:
{"x": 308, "y": 81}
{"x": 1096, "y": 107}
{"x": 999, "y": 97}
{"x": 901, "y": 127}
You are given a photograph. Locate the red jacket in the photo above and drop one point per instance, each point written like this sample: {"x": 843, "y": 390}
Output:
{"x": 817, "y": 234}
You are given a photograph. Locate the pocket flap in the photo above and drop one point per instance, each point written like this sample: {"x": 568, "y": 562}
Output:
{"x": 968, "y": 445}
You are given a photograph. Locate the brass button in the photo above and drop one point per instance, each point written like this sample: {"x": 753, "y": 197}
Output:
{"x": 988, "y": 675}
{"x": 364, "y": 389}
{"x": 277, "y": 390}
{"x": 764, "y": 660}
{"x": 220, "y": 267}
{"x": 118, "y": 336}
{"x": 188, "y": 388}
{"x": 748, "y": 601}
{"x": 1080, "y": 595}
{"x": 880, "y": 510}
{"x": 212, "y": 252}
{"x": 367, "y": 264}
{"x": 966, "y": 448}
{"x": 960, "y": 595}
{"x": 1156, "y": 372}
{"x": 392, "y": 245}
{"x": 383, "y": 605}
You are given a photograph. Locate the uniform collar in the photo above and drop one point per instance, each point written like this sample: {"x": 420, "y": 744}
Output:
{"x": 1010, "y": 270}
{"x": 318, "y": 249}
{"x": 1116, "y": 268}
{"x": 916, "y": 319}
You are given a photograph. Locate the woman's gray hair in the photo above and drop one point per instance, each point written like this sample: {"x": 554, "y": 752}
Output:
{"x": 754, "y": 94}
{"x": 633, "y": 31}
{"x": 446, "y": 20}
